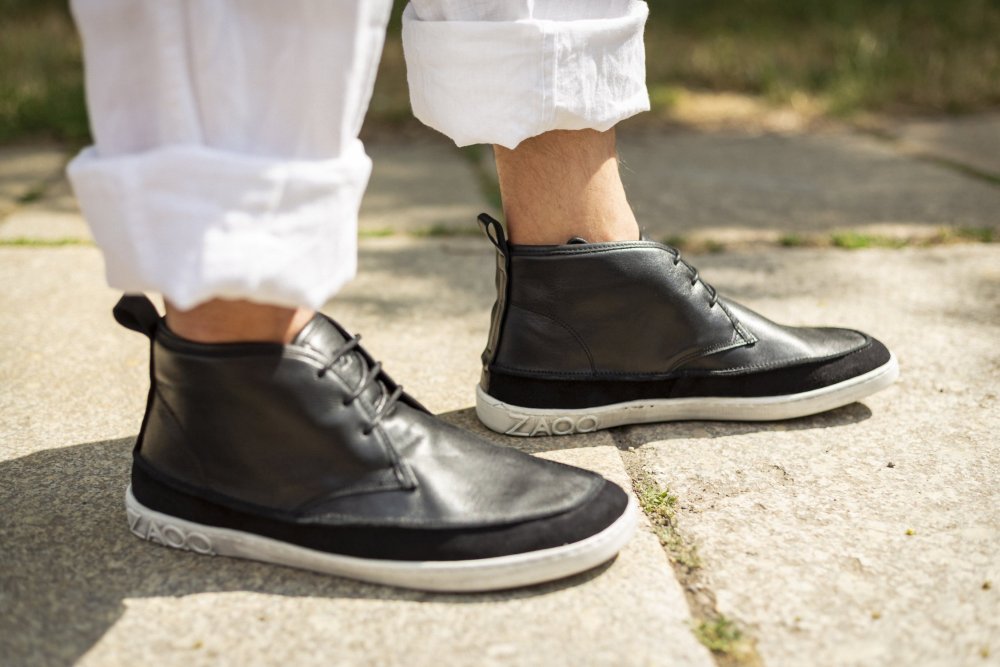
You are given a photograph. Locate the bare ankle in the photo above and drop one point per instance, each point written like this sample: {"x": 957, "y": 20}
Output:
{"x": 223, "y": 321}
{"x": 562, "y": 184}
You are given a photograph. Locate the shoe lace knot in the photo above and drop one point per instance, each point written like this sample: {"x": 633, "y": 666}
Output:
{"x": 370, "y": 374}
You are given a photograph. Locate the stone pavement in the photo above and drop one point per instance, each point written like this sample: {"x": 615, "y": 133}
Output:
{"x": 867, "y": 535}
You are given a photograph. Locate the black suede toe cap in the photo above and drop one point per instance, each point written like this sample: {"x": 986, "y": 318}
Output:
{"x": 788, "y": 380}
{"x": 605, "y": 506}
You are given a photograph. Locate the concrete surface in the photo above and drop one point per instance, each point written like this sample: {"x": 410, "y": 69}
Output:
{"x": 726, "y": 187}
{"x": 823, "y": 552}
{"x": 23, "y": 169}
{"x": 723, "y": 186}
{"x": 973, "y": 141}
{"x": 53, "y": 216}
{"x": 431, "y": 180}
{"x": 75, "y": 586}
{"x": 864, "y": 536}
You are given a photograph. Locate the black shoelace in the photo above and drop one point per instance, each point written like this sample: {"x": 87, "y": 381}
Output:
{"x": 369, "y": 374}
{"x": 695, "y": 279}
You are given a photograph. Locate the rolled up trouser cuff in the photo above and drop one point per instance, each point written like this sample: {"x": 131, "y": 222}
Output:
{"x": 502, "y": 82}
{"x": 194, "y": 223}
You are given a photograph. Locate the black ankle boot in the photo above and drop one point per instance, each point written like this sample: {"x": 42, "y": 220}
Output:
{"x": 587, "y": 336}
{"x": 308, "y": 455}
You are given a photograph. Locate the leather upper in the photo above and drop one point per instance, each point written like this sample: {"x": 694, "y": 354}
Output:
{"x": 633, "y": 310}
{"x": 266, "y": 425}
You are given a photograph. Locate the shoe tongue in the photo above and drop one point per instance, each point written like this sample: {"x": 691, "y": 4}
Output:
{"x": 325, "y": 337}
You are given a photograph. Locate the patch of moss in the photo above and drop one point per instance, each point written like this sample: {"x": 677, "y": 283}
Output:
{"x": 33, "y": 194}
{"x": 791, "y": 241}
{"x": 676, "y": 241}
{"x": 723, "y": 637}
{"x": 25, "y": 242}
{"x": 977, "y": 234}
{"x": 661, "y": 507}
{"x": 854, "y": 240}
{"x": 380, "y": 232}
{"x": 440, "y": 230}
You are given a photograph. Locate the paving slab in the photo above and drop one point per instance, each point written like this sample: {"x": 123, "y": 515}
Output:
{"x": 973, "y": 141}
{"x": 867, "y": 535}
{"x": 76, "y": 587}
{"x": 54, "y": 216}
{"x": 24, "y": 170}
{"x": 431, "y": 180}
{"x": 732, "y": 186}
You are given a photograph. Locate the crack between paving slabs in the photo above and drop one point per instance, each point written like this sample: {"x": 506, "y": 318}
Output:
{"x": 729, "y": 645}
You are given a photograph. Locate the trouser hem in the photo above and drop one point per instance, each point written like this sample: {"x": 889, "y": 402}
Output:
{"x": 196, "y": 223}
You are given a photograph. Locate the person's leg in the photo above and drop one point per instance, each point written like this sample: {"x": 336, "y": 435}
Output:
{"x": 227, "y": 175}
{"x": 592, "y": 327}
{"x": 561, "y": 184}
{"x": 545, "y": 81}
{"x": 226, "y": 145}
{"x": 228, "y": 321}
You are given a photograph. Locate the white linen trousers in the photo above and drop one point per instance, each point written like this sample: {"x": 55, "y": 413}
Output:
{"x": 226, "y": 161}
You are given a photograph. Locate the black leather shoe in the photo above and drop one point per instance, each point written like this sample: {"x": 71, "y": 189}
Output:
{"x": 308, "y": 455}
{"x": 587, "y": 336}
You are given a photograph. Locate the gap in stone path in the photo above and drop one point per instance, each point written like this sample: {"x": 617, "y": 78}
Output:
{"x": 741, "y": 651}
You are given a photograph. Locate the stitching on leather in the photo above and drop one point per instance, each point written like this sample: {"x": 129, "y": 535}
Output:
{"x": 741, "y": 330}
{"x": 228, "y": 502}
{"x": 600, "y": 248}
{"x": 697, "y": 354}
{"x": 546, "y": 374}
{"x": 537, "y": 372}
{"x": 572, "y": 332}
{"x": 595, "y": 483}
{"x": 351, "y": 490}
{"x": 790, "y": 362}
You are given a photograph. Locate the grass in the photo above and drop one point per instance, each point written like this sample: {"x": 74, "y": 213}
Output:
{"x": 34, "y": 193}
{"x": 41, "y": 78}
{"x": 380, "y": 232}
{"x": 438, "y": 230}
{"x": 661, "y": 507}
{"x": 729, "y": 644}
{"x": 852, "y": 55}
{"x": 24, "y": 242}
{"x": 889, "y": 56}
{"x": 723, "y": 637}
{"x": 854, "y": 240}
{"x": 792, "y": 241}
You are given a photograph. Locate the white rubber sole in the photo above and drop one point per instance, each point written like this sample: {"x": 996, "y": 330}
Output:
{"x": 485, "y": 574}
{"x": 513, "y": 420}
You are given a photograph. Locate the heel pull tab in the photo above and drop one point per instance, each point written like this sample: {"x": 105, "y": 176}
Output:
{"x": 136, "y": 312}
{"x": 494, "y": 232}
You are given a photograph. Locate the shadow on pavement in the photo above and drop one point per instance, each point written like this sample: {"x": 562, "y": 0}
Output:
{"x": 68, "y": 562}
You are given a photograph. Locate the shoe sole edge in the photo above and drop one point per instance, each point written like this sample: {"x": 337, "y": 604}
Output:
{"x": 528, "y": 422}
{"x": 462, "y": 576}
